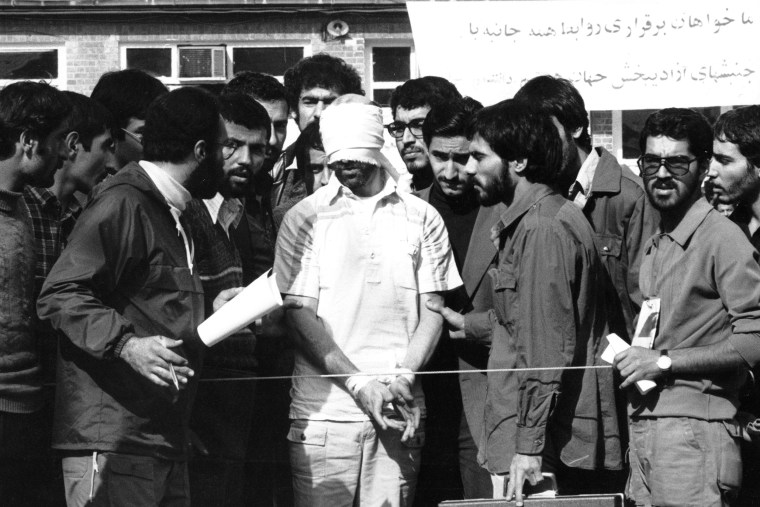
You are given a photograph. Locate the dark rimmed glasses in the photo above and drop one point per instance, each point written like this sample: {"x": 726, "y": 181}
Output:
{"x": 397, "y": 128}
{"x": 677, "y": 166}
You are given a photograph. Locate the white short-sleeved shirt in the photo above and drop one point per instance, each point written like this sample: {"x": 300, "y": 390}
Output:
{"x": 367, "y": 272}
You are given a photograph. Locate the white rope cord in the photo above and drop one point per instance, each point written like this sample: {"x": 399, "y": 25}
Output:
{"x": 439, "y": 372}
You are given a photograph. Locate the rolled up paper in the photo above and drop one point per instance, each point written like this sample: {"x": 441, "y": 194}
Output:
{"x": 261, "y": 297}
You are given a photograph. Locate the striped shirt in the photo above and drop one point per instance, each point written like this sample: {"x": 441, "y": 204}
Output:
{"x": 366, "y": 266}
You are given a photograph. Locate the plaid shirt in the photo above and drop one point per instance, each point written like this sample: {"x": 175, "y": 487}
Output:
{"x": 51, "y": 226}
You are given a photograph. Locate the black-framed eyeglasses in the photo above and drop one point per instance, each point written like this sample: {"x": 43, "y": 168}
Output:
{"x": 677, "y": 166}
{"x": 135, "y": 136}
{"x": 397, "y": 128}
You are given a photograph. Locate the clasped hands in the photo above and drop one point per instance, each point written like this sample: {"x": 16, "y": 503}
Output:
{"x": 375, "y": 395}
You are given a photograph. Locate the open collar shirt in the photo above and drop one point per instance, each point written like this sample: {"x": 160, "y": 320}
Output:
{"x": 367, "y": 269}
{"x": 225, "y": 212}
{"x": 707, "y": 277}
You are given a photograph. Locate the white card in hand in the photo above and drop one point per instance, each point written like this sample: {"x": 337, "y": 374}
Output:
{"x": 616, "y": 346}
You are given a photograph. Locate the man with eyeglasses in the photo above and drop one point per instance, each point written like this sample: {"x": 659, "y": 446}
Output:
{"x": 127, "y": 94}
{"x": 223, "y": 411}
{"x": 704, "y": 276}
{"x": 410, "y": 104}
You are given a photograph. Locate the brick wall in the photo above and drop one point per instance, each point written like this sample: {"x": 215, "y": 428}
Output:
{"x": 92, "y": 44}
{"x": 601, "y": 129}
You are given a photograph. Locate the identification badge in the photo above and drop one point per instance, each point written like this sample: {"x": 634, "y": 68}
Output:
{"x": 646, "y": 326}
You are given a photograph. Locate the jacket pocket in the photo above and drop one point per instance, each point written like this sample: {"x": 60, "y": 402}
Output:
{"x": 609, "y": 245}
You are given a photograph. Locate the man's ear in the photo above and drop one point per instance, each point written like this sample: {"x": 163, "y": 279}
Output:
{"x": 577, "y": 132}
{"x": 72, "y": 139}
{"x": 519, "y": 165}
{"x": 200, "y": 150}
{"x": 29, "y": 141}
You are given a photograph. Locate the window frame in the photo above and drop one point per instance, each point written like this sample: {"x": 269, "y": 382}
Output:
{"x": 370, "y": 85}
{"x": 60, "y": 82}
{"x": 174, "y": 80}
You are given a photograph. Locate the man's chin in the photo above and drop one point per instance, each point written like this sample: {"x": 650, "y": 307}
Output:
{"x": 487, "y": 199}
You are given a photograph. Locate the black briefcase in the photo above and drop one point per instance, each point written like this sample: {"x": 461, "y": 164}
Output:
{"x": 559, "y": 501}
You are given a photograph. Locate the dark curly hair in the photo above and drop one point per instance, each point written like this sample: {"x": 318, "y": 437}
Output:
{"x": 323, "y": 71}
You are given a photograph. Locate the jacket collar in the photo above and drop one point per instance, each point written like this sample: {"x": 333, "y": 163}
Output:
{"x": 519, "y": 207}
{"x": 608, "y": 173}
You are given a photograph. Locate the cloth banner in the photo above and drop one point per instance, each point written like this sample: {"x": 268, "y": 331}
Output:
{"x": 619, "y": 54}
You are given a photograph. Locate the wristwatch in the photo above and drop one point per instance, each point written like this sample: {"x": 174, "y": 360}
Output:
{"x": 665, "y": 364}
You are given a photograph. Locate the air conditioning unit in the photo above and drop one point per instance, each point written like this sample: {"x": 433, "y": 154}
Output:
{"x": 203, "y": 63}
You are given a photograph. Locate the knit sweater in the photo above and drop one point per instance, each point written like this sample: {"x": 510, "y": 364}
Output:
{"x": 20, "y": 372}
{"x": 218, "y": 261}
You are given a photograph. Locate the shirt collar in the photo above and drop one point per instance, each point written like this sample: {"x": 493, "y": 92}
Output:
{"x": 175, "y": 194}
{"x": 518, "y": 208}
{"x": 43, "y": 196}
{"x": 585, "y": 177}
{"x": 690, "y": 221}
{"x": 224, "y": 211}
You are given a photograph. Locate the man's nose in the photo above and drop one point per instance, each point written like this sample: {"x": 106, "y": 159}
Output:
{"x": 244, "y": 156}
{"x": 407, "y": 137}
{"x": 662, "y": 172}
{"x": 318, "y": 108}
{"x": 471, "y": 167}
{"x": 450, "y": 171}
{"x": 324, "y": 176}
{"x": 712, "y": 171}
{"x": 272, "y": 138}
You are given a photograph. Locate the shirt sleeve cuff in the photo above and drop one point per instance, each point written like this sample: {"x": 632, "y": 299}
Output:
{"x": 748, "y": 346}
{"x": 116, "y": 350}
{"x": 530, "y": 441}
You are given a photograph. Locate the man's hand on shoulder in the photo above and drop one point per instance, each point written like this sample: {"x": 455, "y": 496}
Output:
{"x": 637, "y": 363}
{"x": 454, "y": 321}
{"x": 150, "y": 357}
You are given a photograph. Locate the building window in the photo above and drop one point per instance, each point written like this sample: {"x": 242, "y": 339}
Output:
{"x": 210, "y": 65}
{"x": 18, "y": 64}
{"x": 156, "y": 61}
{"x": 388, "y": 67}
{"x": 271, "y": 60}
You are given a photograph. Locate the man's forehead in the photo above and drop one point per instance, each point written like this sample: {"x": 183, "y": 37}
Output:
{"x": 457, "y": 144}
{"x": 243, "y": 133}
{"x": 415, "y": 113}
{"x": 665, "y": 146}
{"x": 319, "y": 92}
{"x": 722, "y": 146}
{"x": 276, "y": 109}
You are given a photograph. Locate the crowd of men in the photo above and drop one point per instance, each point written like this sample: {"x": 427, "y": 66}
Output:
{"x": 506, "y": 248}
